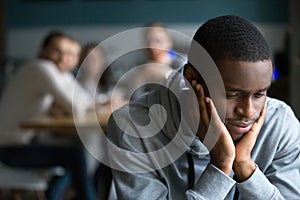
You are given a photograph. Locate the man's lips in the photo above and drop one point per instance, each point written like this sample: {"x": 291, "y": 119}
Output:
{"x": 238, "y": 127}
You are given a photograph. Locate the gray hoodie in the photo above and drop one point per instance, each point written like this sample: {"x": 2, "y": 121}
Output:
{"x": 153, "y": 175}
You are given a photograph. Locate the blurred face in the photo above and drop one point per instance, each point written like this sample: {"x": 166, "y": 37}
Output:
{"x": 158, "y": 42}
{"x": 246, "y": 85}
{"x": 63, "y": 52}
{"x": 73, "y": 56}
{"x": 94, "y": 63}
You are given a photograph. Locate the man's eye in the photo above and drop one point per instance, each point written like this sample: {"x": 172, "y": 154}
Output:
{"x": 232, "y": 95}
{"x": 259, "y": 95}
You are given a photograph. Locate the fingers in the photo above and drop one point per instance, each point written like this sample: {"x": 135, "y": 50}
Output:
{"x": 204, "y": 115}
{"x": 259, "y": 122}
{"x": 249, "y": 139}
{"x": 264, "y": 111}
{"x": 215, "y": 116}
{"x": 56, "y": 110}
{"x": 208, "y": 114}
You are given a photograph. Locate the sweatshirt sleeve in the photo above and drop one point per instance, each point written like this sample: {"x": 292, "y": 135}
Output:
{"x": 250, "y": 189}
{"x": 63, "y": 87}
{"x": 205, "y": 187}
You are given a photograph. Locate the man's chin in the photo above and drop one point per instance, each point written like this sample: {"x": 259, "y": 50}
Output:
{"x": 236, "y": 137}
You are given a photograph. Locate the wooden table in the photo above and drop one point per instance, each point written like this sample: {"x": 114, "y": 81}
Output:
{"x": 90, "y": 120}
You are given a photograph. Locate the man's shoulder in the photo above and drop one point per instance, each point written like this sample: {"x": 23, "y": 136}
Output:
{"x": 38, "y": 62}
{"x": 276, "y": 106}
{"x": 135, "y": 114}
{"x": 134, "y": 110}
{"x": 280, "y": 115}
{"x": 43, "y": 63}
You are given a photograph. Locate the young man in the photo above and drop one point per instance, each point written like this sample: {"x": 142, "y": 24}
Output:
{"x": 247, "y": 148}
{"x": 40, "y": 87}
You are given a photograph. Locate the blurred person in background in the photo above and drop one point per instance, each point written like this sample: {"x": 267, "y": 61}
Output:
{"x": 92, "y": 74}
{"x": 96, "y": 78}
{"x": 162, "y": 59}
{"x": 44, "y": 86}
{"x": 160, "y": 46}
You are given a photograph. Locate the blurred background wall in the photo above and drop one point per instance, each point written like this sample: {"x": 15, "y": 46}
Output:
{"x": 26, "y": 21}
{"x": 23, "y": 24}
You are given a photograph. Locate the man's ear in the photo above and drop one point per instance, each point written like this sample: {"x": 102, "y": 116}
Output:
{"x": 190, "y": 74}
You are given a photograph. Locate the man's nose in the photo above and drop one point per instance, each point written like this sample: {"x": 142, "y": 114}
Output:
{"x": 246, "y": 108}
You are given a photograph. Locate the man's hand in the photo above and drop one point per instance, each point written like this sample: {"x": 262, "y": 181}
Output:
{"x": 243, "y": 165}
{"x": 223, "y": 152}
{"x": 56, "y": 110}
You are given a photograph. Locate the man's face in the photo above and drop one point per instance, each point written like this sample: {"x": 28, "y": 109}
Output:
{"x": 73, "y": 55}
{"x": 63, "y": 52}
{"x": 246, "y": 85}
{"x": 158, "y": 42}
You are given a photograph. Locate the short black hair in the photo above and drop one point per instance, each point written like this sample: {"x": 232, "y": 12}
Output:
{"x": 86, "y": 50}
{"x": 52, "y": 35}
{"x": 232, "y": 37}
